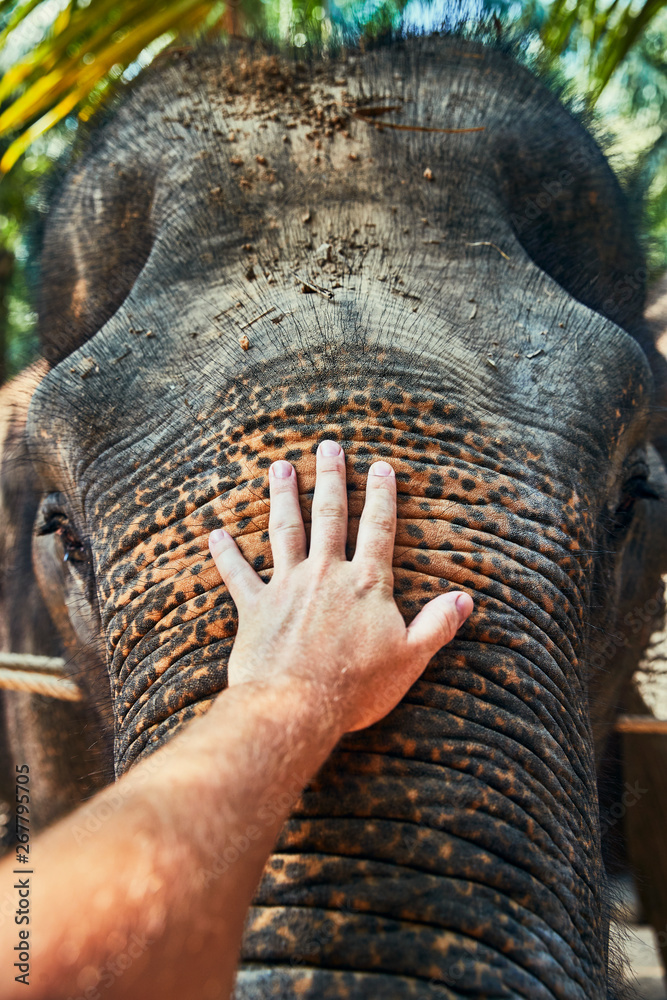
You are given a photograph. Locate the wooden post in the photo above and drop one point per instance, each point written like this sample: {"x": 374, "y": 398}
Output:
{"x": 644, "y": 740}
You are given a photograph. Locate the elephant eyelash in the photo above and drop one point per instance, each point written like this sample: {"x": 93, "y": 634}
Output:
{"x": 639, "y": 488}
{"x": 57, "y": 523}
{"x": 634, "y": 489}
{"x": 643, "y": 490}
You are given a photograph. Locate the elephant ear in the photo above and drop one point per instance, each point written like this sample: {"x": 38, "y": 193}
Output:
{"x": 656, "y": 319}
{"x": 96, "y": 241}
{"x": 572, "y": 217}
{"x": 639, "y": 836}
{"x": 641, "y": 601}
{"x": 60, "y": 740}
{"x": 24, "y": 619}
{"x": 574, "y": 220}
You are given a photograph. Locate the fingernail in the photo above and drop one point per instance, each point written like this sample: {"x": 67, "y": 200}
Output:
{"x": 329, "y": 448}
{"x": 281, "y": 470}
{"x": 381, "y": 469}
{"x": 464, "y": 605}
{"x": 216, "y": 538}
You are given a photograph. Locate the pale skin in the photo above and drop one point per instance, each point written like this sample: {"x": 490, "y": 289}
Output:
{"x": 152, "y": 904}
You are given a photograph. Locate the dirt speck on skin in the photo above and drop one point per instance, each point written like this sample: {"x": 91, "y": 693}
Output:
{"x": 244, "y": 342}
{"x": 127, "y": 351}
{"x": 90, "y": 367}
{"x": 282, "y": 92}
{"x": 261, "y": 160}
{"x": 236, "y": 161}
{"x": 324, "y": 253}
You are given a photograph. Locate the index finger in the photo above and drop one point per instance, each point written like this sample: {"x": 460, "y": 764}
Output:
{"x": 377, "y": 527}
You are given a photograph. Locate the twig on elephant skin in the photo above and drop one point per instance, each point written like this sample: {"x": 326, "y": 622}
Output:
{"x": 37, "y": 675}
{"x": 256, "y": 318}
{"x": 315, "y": 288}
{"x": 487, "y": 243}
{"x": 370, "y": 114}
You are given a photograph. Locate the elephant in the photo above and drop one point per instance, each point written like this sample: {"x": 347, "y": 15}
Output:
{"x": 418, "y": 250}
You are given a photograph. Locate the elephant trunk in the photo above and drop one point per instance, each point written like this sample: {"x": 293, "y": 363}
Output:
{"x": 449, "y": 851}
{"x": 453, "y": 849}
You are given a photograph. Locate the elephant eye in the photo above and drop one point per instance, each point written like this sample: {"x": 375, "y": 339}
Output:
{"x": 637, "y": 487}
{"x": 55, "y": 521}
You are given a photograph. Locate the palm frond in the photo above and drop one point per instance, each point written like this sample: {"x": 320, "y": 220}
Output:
{"x": 610, "y": 30}
{"x": 618, "y": 43}
{"x": 74, "y": 59}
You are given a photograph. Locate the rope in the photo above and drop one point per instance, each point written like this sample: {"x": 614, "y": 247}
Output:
{"x": 37, "y": 675}
{"x": 44, "y": 675}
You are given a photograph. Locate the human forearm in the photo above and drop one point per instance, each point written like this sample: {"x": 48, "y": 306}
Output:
{"x": 188, "y": 843}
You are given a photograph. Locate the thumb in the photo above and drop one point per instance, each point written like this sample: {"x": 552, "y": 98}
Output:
{"x": 438, "y": 622}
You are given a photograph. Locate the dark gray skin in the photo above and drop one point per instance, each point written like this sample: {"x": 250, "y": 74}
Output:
{"x": 399, "y": 294}
{"x": 66, "y": 744}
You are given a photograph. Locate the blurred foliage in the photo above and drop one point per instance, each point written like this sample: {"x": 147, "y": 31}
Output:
{"x": 61, "y": 59}
{"x": 615, "y": 56}
{"x": 607, "y": 31}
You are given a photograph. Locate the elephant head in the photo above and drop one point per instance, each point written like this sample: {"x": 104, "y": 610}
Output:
{"x": 419, "y": 252}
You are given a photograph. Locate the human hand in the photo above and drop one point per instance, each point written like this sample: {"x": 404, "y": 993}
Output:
{"x": 324, "y": 621}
